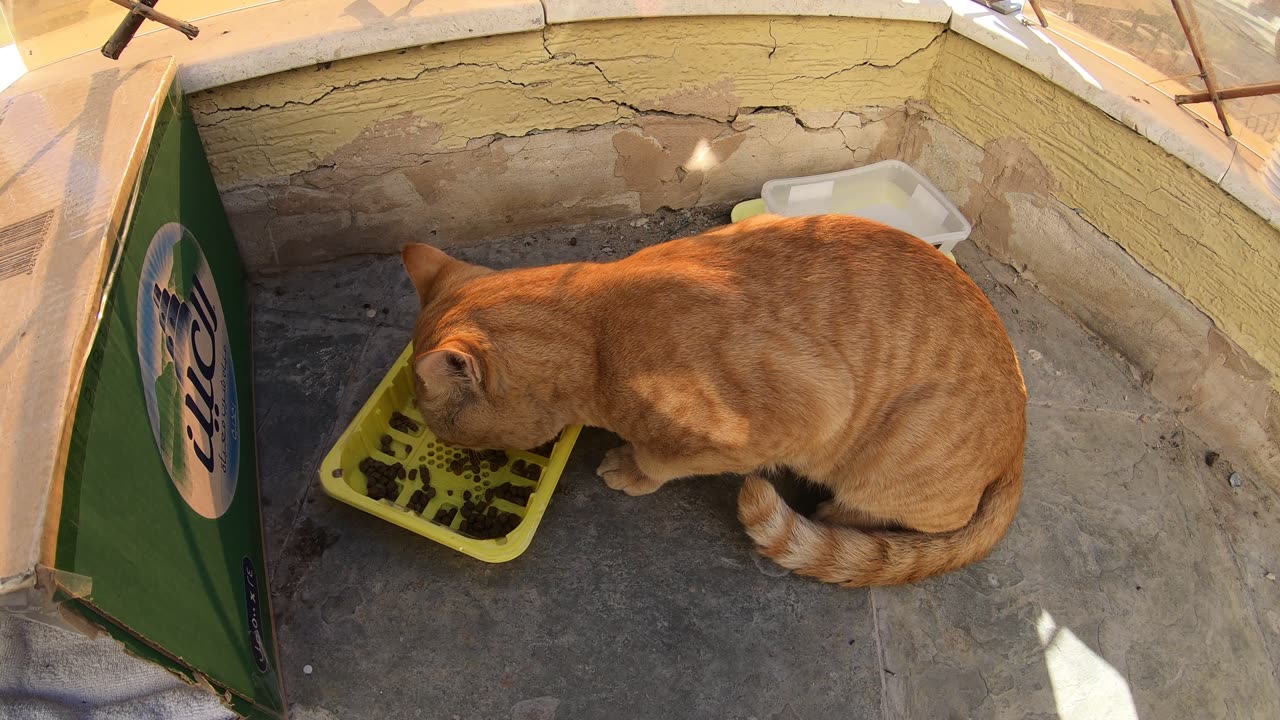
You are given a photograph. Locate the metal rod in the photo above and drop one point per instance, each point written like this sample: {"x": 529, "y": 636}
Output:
{"x": 1035, "y": 5}
{"x": 1205, "y": 75}
{"x": 1231, "y": 93}
{"x": 1174, "y": 77}
{"x": 124, "y": 32}
{"x": 144, "y": 8}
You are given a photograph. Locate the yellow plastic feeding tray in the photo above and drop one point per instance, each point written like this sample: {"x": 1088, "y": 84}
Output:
{"x": 388, "y": 447}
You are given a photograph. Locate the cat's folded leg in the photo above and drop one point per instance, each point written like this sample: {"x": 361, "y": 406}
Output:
{"x": 637, "y": 470}
{"x": 620, "y": 472}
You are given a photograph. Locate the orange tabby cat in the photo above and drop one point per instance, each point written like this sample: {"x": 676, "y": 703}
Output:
{"x": 850, "y": 352}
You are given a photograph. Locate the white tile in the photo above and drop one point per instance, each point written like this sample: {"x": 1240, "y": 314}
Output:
{"x": 274, "y": 37}
{"x": 564, "y": 11}
{"x": 1244, "y": 181}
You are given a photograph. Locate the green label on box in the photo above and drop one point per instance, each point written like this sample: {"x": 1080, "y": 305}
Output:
{"x": 184, "y": 356}
{"x": 160, "y": 502}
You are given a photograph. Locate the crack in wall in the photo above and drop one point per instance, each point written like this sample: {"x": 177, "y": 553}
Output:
{"x": 871, "y": 63}
{"x": 614, "y": 100}
{"x": 389, "y": 80}
{"x": 594, "y": 75}
{"x": 1166, "y": 215}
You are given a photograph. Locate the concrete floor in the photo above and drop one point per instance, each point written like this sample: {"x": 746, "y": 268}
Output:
{"x": 1135, "y": 583}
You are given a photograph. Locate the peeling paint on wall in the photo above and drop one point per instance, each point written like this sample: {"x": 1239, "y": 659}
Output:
{"x": 459, "y": 142}
{"x": 713, "y": 66}
{"x": 1177, "y": 351}
{"x": 568, "y": 76}
{"x": 1173, "y": 220}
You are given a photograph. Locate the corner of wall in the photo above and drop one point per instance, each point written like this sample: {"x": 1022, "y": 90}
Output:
{"x": 1030, "y": 214}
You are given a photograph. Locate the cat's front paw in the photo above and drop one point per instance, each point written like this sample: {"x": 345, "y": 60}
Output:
{"x": 620, "y": 472}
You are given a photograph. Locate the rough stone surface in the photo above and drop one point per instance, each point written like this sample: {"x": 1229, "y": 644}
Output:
{"x": 1133, "y": 584}
{"x": 1172, "y": 219}
{"x": 502, "y": 186}
{"x": 1181, "y": 356}
{"x": 1117, "y": 593}
{"x": 301, "y": 362}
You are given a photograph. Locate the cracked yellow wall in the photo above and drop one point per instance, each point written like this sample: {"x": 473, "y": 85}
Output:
{"x": 488, "y": 138}
{"x": 1199, "y": 240}
{"x": 470, "y": 140}
{"x": 564, "y": 77}
{"x": 475, "y": 139}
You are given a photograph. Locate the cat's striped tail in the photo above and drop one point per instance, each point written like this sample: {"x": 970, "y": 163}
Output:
{"x": 857, "y": 558}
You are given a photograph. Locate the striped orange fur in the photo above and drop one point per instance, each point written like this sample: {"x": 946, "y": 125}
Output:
{"x": 850, "y": 352}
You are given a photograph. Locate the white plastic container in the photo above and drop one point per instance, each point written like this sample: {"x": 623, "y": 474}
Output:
{"x": 890, "y": 192}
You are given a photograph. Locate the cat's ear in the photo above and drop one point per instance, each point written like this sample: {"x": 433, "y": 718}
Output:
{"x": 447, "y": 369}
{"x": 424, "y": 264}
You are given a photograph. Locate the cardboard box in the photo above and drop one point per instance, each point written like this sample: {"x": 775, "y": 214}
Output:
{"x": 134, "y": 403}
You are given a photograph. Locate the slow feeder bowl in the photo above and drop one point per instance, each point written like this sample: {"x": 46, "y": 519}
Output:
{"x": 379, "y": 438}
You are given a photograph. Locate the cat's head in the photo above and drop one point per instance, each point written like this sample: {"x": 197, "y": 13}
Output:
{"x": 474, "y": 380}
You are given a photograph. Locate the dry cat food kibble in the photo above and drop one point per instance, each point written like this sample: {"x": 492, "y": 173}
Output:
{"x": 445, "y": 515}
{"x": 418, "y": 501}
{"x": 518, "y": 494}
{"x": 403, "y": 424}
{"x": 390, "y": 464}
{"x": 486, "y": 523}
{"x": 481, "y": 519}
{"x": 528, "y": 471}
{"x": 381, "y": 478}
{"x": 388, "y": 446}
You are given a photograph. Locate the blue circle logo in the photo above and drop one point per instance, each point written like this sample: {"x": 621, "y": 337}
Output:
{"x": 184, "y": 357}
